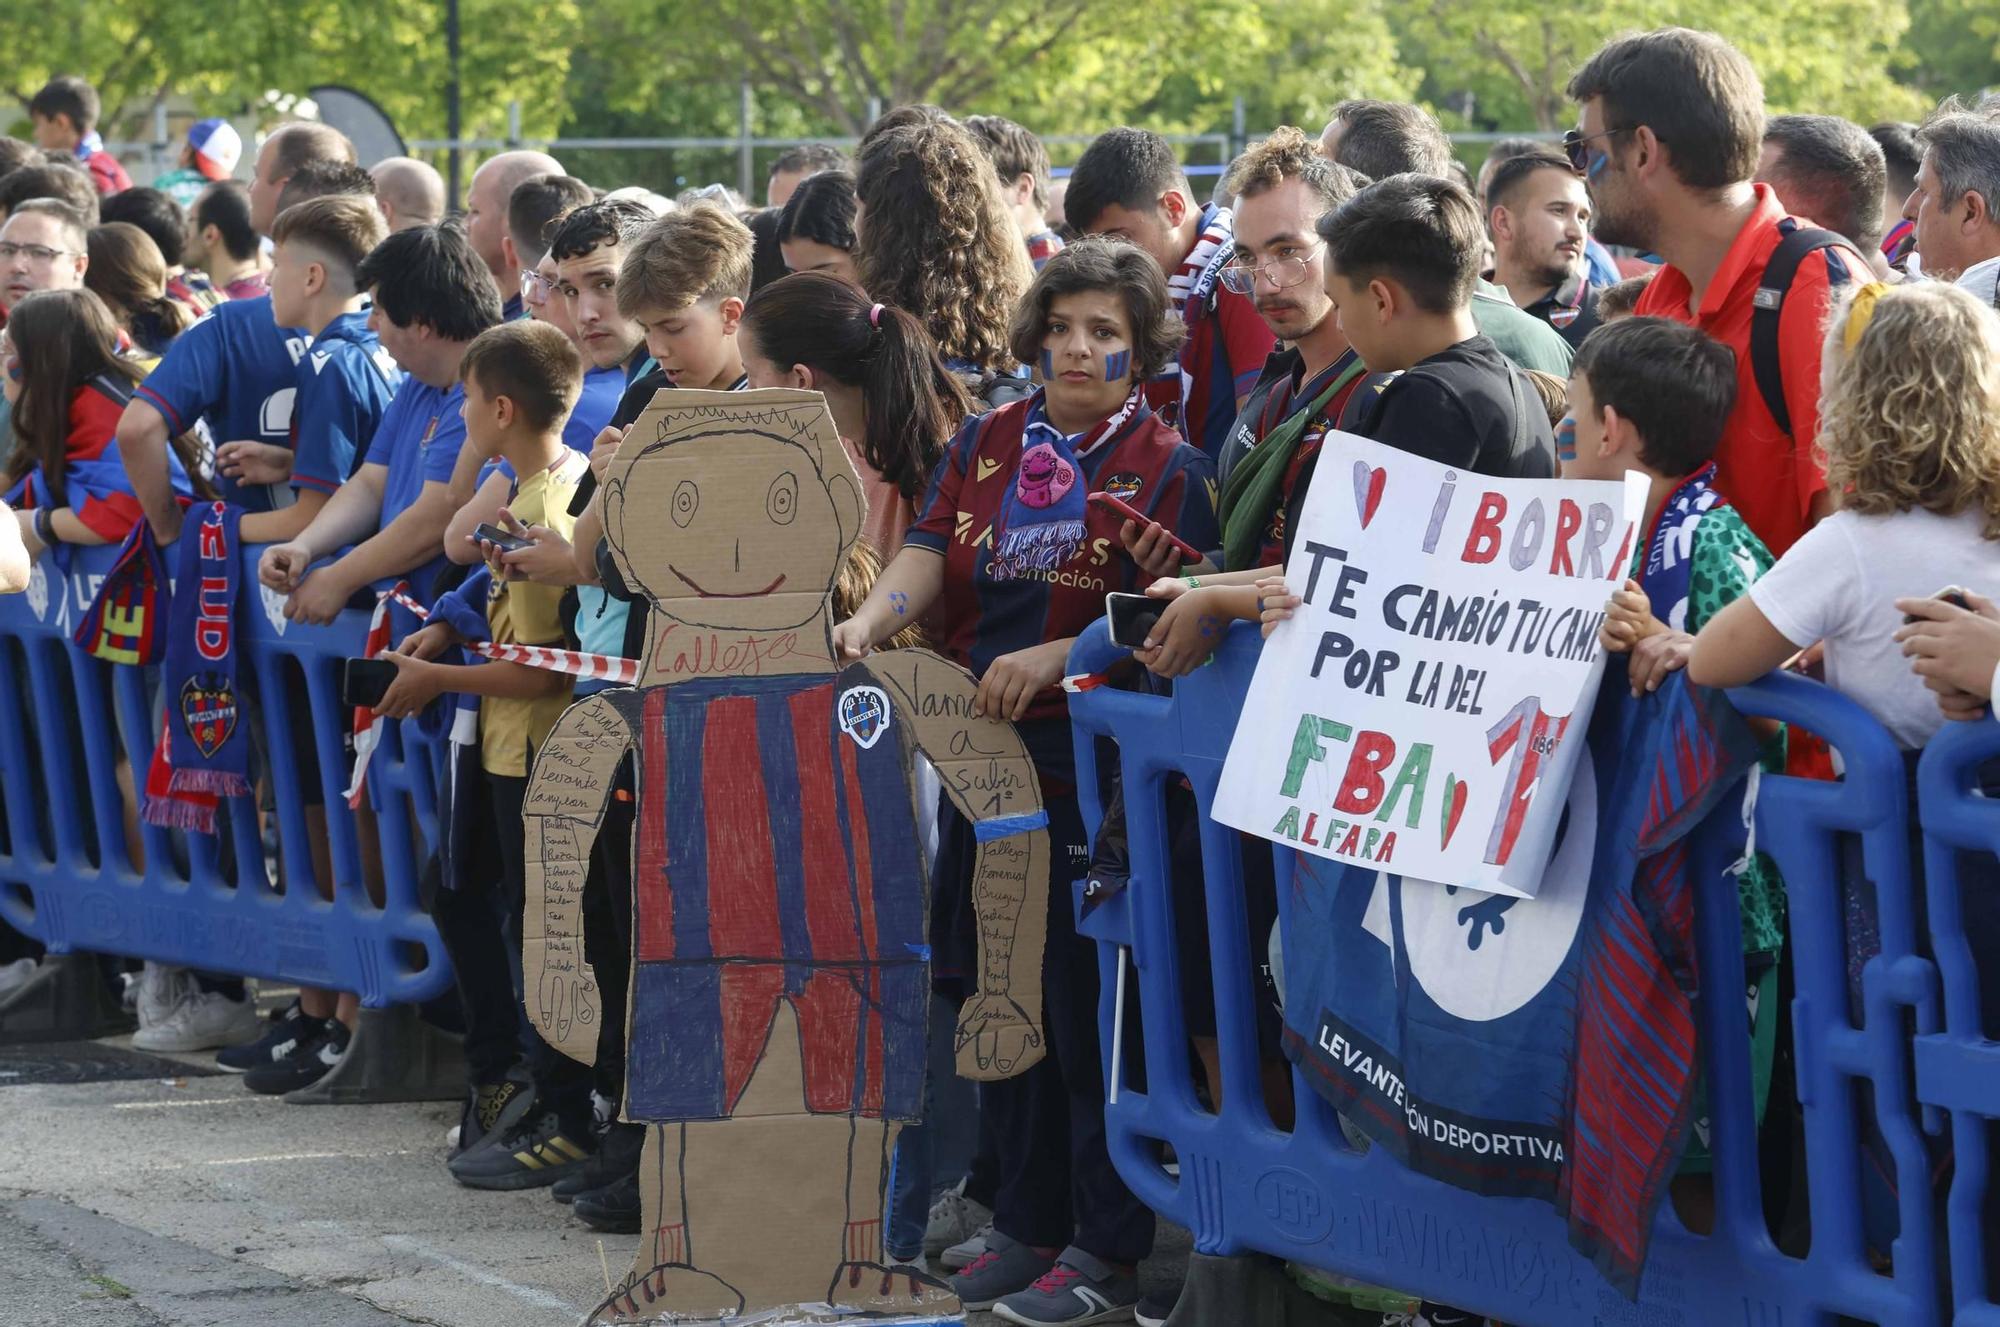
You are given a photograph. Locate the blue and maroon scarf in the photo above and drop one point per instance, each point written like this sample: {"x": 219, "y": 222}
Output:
{"x": 1041, "y": 523}
{"x": 208, "y": 747}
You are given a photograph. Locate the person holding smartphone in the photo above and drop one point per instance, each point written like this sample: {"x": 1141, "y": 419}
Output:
{"x": 1012, "y": 561}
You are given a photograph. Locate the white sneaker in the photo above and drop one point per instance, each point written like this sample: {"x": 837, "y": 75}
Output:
{"x": 15, "y": 975}
{"x": 954, "y": 1218}
{"x": 204, "y": 1021}
{"x": 962, "y": 1255}
{"x": 162, "y": 989}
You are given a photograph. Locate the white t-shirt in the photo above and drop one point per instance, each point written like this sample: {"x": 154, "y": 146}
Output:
{"x": 1840, "y": 584}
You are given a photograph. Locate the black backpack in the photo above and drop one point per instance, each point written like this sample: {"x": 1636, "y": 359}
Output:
{"x": 1769, "y": 304}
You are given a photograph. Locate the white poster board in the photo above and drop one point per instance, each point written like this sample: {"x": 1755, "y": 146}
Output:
{"x": 1423, "y": 709}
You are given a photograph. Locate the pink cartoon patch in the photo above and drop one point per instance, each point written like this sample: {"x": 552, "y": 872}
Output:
{"x": 1045, "y": 478}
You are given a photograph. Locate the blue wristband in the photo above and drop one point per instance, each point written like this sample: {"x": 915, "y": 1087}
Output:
{"x": 1006, "y": 827}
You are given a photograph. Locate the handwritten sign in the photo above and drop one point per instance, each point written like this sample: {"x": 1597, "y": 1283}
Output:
{"x": 1423, "y": 709}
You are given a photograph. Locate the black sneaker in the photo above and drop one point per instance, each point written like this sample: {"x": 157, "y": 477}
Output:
{"x": 494, "y": 1106}
{"x": 618, "y": 1147}
{"x": 534, "y": 1154}
{"x": 318, "y": 1051}
{"x": 613, "y": 1209}
{"x": 289, "y": 1026}
{"x": 1156, "y": 1308}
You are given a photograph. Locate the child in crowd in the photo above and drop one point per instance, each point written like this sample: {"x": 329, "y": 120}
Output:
{"x": 816, "y": 227}
{"x": 346, "y": 381}
{"x": 684, "y": 283}
{"x": 128, "y": 272}
{"x": 521, "y": 380}
{"x": 1651, "y": 396}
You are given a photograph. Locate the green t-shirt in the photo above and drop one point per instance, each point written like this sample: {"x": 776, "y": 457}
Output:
{"x": 1521, "y": 336}
{"x": 1725, "y": 557}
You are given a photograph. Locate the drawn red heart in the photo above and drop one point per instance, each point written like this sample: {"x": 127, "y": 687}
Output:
{"x": 1368, "y": 483}
{"x": 1454, "y": 808}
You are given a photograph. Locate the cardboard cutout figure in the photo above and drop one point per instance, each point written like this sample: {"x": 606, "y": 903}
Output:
{"x": 780, "y": 963}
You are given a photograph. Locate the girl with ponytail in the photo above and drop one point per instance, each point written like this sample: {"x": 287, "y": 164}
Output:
{"x": 893, "y": 399}
{"x": 129, "y": 274}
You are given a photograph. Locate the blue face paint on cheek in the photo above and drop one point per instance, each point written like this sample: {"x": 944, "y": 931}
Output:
{"x": 1566, "y": 439}
{"x": 1117, "y": 364}
{"x": 1048, "y": 365}
{"x": 1598, "y": 161}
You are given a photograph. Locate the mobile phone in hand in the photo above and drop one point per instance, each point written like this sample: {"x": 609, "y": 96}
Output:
{"x": 363, "y": 682}
{"x": 493, "y": 534}
{"x": 1132, "y": 618}
{"x": 1951, "y": 594}
{"x": 1113, "y": 503}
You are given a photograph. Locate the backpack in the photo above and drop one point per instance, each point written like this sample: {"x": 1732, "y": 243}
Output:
{"x": 1768, "y": 309}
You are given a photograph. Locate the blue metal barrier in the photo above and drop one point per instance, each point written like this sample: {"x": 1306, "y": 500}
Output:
{"x": 1308, "y": 1195}
{"x": 208, "y": 901}
{"x": 1958, "y": 1068}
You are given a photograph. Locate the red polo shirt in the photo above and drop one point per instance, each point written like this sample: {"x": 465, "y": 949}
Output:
{"x": 1769, "y": 478}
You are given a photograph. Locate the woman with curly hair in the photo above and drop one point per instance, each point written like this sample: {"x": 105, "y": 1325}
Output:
{"x": 1010, "y": 560}
{"x": 1910, "y": 424}
{"x": 935, "y": 239}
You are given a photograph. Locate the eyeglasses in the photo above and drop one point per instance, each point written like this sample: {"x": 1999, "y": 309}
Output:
{"x": 1241, "y": 279}
{"x": 536, "y": 288}
{"x": 37, "y": 253}
{"x": 1576, "y": 147}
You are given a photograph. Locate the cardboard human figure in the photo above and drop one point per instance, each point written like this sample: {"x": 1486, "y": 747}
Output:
{"x": 780, "y": 969}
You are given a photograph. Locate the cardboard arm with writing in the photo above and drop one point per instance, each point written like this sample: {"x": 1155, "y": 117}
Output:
{"x": 987, "y": 774}
{"x": 563, "y": 810}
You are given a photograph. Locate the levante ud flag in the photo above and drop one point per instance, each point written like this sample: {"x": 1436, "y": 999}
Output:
{"x": 1537, "y": 1047}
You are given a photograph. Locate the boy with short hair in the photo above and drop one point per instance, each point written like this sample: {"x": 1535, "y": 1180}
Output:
{"x": 684, "y": 282}
{"x": 346, "y": 381}
{"x": 521, "y": 380}
{"x": 1402, "y": 259}
{"x": 65, "y": 118}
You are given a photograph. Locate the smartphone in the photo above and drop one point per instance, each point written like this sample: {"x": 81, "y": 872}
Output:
{"x": 1952, "y": 595}
{"x": 363, "y": 682}
{"x": 1109, "y": 502}
{"x": 1132, "y": 618}
{"x": 493, "y": 534}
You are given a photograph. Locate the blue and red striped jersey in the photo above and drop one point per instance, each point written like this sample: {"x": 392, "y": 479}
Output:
{"x": 979, "y": 618}
{"x": 94, "y": 483}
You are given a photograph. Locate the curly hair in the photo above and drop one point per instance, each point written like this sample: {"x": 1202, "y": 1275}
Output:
{"x": 1911, "y": 416}
{"x": 1098, "y": 262}
{"x": 937, "y": 241}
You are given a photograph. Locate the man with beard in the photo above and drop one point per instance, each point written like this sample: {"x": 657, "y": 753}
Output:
{"x": 1539, "y": 217}
{"x": 1667, "y": 137}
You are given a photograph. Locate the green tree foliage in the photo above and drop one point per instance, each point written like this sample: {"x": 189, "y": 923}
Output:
{"x": 1953, "y": 46}
{"x": 1826, "y": 56}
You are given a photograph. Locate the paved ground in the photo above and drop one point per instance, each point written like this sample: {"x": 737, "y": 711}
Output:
{"x": 189, "y": 1202}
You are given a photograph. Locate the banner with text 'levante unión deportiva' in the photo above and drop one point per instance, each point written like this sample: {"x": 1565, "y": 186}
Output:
{"x": 1423, "y": 709}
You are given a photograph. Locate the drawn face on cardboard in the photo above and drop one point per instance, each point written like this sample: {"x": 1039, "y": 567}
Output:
{"x": 738, "y": 512}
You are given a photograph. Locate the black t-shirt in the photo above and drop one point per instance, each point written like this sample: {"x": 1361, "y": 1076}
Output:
{"x": 1570, "y": 308}
{"x": 637, "y": 396}
{"x": 1456, "y": 408}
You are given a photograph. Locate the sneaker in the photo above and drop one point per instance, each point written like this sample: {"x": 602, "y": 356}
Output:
{"x": 1155, "y": 1309}
{"x": 617, "y": 1157}
{"x": 202, "y": 1022}
{"x": 954, "y": 1219}
{"x": 307, "y": 1063}
{"x": 534, "y": 1154}
{"x": 162, "y": 988}
{"x": 1348, "y": 1293}
{"x": 967, "y": 1252}
{"x": 287, "y": 1029}
{"x": 15, "y": 975}
{"x": 613, "y": 1209}
{"x": 495, "y": 1107}
{"x": 1080, "y": 1288}
{"x": 1007, "y": 1266}
{"x": 1428, "y": 1314}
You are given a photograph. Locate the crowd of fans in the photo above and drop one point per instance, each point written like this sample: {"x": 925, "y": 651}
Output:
{"x": 1786, "y": 325}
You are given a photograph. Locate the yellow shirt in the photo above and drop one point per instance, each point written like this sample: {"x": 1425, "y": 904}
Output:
{"x": 523, "y": 613}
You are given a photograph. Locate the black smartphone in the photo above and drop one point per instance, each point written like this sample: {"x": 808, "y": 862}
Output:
{"x": 1132, "y": 618}
{"x": 363, "y": 682}
{"x": 493, "y": 534}
{"x": 1952, "y": 595}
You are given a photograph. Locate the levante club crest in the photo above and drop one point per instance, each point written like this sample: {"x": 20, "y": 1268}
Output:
{"x": 208, "y": 708}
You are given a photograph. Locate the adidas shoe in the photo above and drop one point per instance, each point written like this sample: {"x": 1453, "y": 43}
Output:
{"x": 489, "y": 1109}
{"x": 534, "y": 1154}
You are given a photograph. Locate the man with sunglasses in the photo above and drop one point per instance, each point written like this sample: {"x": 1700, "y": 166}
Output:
{"x": 1669, "y": 130}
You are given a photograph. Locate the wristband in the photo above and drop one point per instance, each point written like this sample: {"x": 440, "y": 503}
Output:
{"x": 1193, "y": 582}
{"x": 45, "y": 526}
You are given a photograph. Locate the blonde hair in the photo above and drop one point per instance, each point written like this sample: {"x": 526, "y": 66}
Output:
{"x": 698, "y": 253}
{"x": 1911, "y": 415}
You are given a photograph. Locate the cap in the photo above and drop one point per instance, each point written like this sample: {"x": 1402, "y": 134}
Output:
{"x": 217, "y": 148}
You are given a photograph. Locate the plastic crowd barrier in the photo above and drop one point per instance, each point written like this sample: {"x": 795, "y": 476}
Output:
{"x": 207, "y": 901}
{"x": 1308, "y": 1195}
